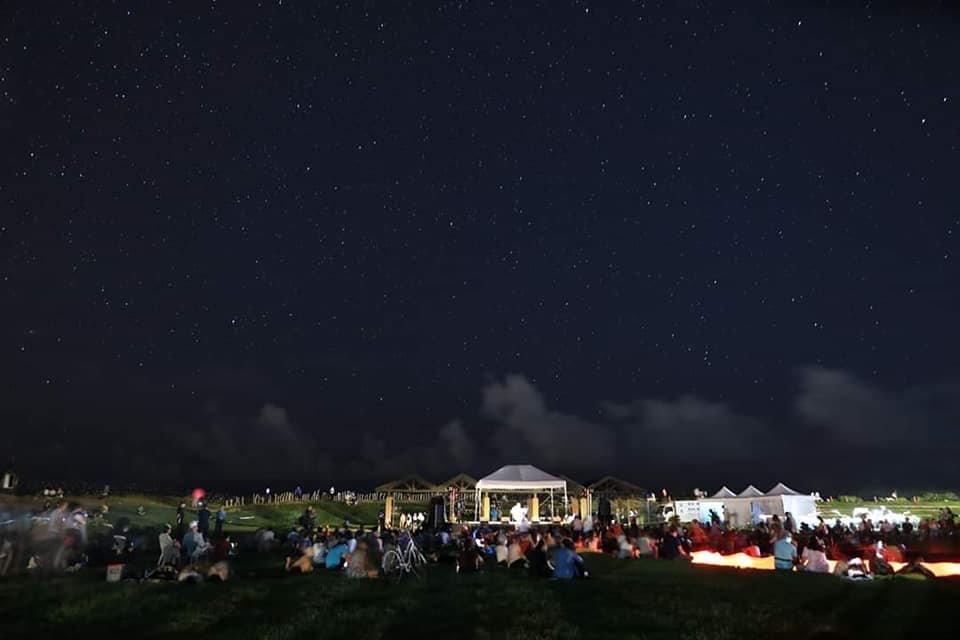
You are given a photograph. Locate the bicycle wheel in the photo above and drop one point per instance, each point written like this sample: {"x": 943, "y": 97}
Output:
{"x": 418, "y": 563}
{"x": 392, "y": 566}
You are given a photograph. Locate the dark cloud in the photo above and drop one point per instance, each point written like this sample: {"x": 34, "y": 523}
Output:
{"x": 650, "y": 441}
{"x": 528, "y": 431}
{"x": 847, "y": 410}
{"x": 693, "y": 431}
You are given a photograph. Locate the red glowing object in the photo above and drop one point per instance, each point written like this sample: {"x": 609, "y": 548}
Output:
{"x": 198, "y": 494}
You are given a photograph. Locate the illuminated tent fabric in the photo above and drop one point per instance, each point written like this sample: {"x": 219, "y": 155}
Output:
{"x": 781, "y": 489}
{"x": 723, "y": 493}
{"x": 750, "y": 492}
{"x": 520, "y": 478}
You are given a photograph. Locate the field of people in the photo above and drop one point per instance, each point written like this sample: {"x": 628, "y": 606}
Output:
{"x": 641, "y": 599}
{"x": 629, "y": 597}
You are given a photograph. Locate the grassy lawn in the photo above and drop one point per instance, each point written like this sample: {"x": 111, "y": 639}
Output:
{"x": 163, "y": 509}
{"x": 623, "y": 599}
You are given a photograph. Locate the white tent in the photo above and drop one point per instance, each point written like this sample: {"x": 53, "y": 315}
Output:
{"x": 742, "y": 510}
{"x": 750, "y": 492}
{"x": 520, "y": 478}
{"x": 723, "y": 493}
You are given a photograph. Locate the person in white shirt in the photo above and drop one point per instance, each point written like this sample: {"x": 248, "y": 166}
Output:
{"x": 814, "y": 559}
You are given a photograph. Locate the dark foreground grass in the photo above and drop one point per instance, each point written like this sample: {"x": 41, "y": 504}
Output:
{"x": 626, "y": 599}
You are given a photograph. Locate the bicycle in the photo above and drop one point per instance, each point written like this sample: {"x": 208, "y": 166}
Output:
{"x": 399, "y": 562}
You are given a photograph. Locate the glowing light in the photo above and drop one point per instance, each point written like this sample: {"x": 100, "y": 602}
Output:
{"x": 743, "y": 561}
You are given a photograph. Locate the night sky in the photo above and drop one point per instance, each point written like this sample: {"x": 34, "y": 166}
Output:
{"x": 685, "y": 244}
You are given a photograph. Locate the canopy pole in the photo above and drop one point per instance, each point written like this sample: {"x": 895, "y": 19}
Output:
{"x": 566, "y": 502}
{"x": 552, "y": 512}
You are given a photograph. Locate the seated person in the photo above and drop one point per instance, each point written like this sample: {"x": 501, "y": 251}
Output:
{"x": 219, "y": 571}
{"x": 566, "y": 563}
{"x": 813, "y": 558}
{"x": 501, "y": 550}
{"x": 537, "y": 560}
{"x": 784, "y": 552}
{"x": 469, "y": 559}
{"x": 193, "y": 543}
{"x": 320, "y": 551}
{"x": 671, "y": 547}
{"x": 358, "y": 563}
{"x": 221, "y": 550}
{"x": 265, "y": 540}
{"x": 169, "y": 548}
{"x": 515, "y": 556}
{"x": 336, "y": 556}
{"x": 646, "y": 546}
{"x": 303, "y": 563}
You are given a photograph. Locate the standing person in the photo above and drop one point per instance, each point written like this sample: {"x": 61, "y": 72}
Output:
{"x": 203, "y": 520}
{"x": 788, "y": 523}
{"x": 181, "y": 520}
{"x": 218, "y": 525}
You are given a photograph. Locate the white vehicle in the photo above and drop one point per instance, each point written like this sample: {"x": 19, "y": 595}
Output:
{"x": 690, "y": 510}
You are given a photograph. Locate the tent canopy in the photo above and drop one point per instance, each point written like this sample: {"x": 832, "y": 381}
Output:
{"x": 782, "y": 490}
{"x": 520, "y": 477}
{"x": 750, "y": 492}
{"x": 723, "y": 493}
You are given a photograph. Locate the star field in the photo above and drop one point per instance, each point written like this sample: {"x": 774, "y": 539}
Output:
{"x": 369, "y": 214}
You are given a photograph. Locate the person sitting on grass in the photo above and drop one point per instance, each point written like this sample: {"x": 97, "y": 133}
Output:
{"x": 266, "y": 538}
{"x": 567, "y": 564}
{"x": 501, "y": 550}
{"x": 813, "y": 559}
{"x": 320, "y": 550}
{"x": 515, "y": 559}
{"x": 671, "y": 547}
{"x": 784, "y": 552}
{"x": 358, "y": 565}
{"x": 303, "y": 563}
{"x": 469, "y": 559}
{"x": 221, "y": 550}
{"x": 537, "y": 560}
{"x": 336, "y": 556}
{"x": 169, "y": 548}
{"x": 193, "y": 543}
{"x": 646, "y": 545}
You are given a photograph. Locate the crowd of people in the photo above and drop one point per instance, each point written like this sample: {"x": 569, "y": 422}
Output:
{"x": 194, "y": 546}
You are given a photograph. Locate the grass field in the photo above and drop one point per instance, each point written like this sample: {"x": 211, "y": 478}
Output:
{"x": 623, "y": 599}
{"x": 161, "y": 509}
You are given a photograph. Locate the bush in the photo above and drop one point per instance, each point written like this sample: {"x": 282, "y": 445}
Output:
{"x": 944, "y": 496}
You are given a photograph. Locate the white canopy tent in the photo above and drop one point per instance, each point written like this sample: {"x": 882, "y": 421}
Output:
{"x": 723, "y": 494}
{"x": 741, "y": 510}
{"x": 520, "y": 478}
